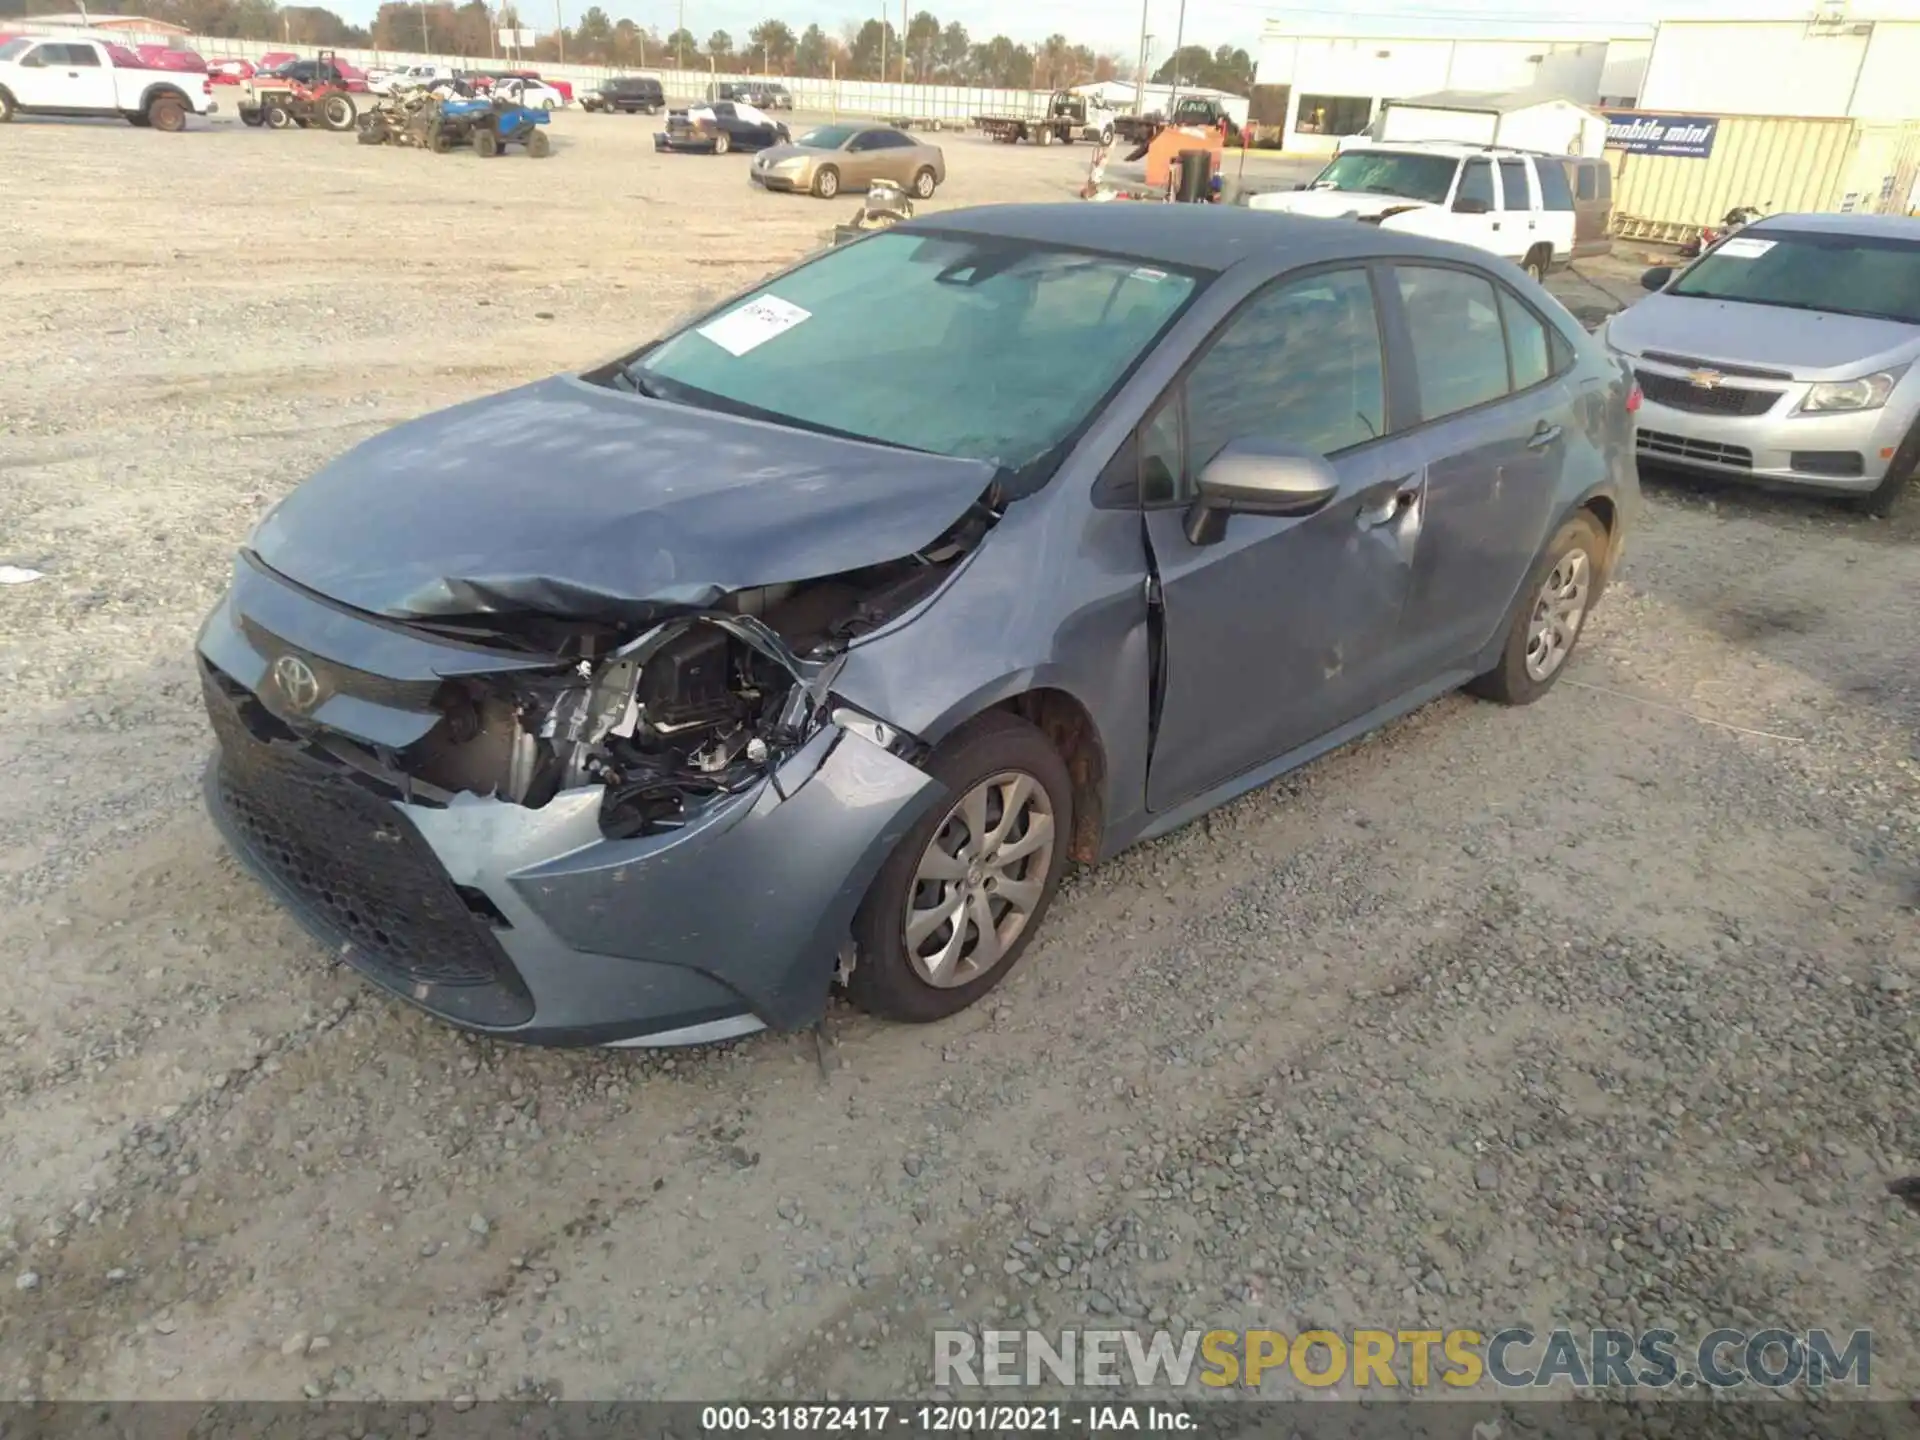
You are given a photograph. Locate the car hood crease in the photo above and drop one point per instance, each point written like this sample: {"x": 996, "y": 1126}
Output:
{"x": 566, "y": 499}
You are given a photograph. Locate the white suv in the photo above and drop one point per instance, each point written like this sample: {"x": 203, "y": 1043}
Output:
{"x": 1512, "y": 202}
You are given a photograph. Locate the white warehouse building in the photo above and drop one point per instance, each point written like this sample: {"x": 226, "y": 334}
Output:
{"x": 1859, "y": 61}
{"x": 1317, "y": 88}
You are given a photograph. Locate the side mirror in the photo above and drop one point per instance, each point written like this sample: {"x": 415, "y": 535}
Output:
{"x": 1657, "y": 278}
{"x": 1258, "y": 477}
{"x": 1470, "y": 205}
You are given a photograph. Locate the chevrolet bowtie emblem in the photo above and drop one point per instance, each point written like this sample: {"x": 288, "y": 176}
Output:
{"x": 1705, "y": 379}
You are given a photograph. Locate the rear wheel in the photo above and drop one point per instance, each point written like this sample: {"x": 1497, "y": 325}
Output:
{"x": 337, "y": 113}
{"x": 1045, "y": 137}
{"x": 722, "y": 143}
{"x": 6, "y": 108}
{"x": 168, "y": 113}
{"x": 538, "y": 146}
{"x": 1549, "y": 617}
{"x": 923, "y": 183}
{"x": 957, "y": 902}
{"x": 826, "y": 182}
{"x": 486, "y": 144}
{"x": 438, "y": 141}
{"x": 1538, "y": 260}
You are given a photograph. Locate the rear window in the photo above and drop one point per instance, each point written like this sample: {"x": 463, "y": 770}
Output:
{"x": 1554, "y": 193}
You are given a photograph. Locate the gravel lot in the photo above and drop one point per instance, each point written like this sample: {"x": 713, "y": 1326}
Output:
{"x": 1600, "y": 1012}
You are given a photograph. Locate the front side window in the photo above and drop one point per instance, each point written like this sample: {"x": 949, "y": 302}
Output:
{"x": 1012, "y": 349}
{"x": 828, "y": 137}
{"x": 1459, "y": 344}
{"x": 1301, "y": 362}
{"x": 1875, "y": 276}
{"x": 1476, "y": 183}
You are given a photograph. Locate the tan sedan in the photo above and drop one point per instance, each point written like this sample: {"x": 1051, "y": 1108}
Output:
{"x": 851, "y": 156}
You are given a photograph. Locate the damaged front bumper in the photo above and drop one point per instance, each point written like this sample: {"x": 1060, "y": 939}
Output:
{"x": 529, "y": 923}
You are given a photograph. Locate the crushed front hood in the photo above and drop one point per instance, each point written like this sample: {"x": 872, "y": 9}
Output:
{"x": 565, "y": 498}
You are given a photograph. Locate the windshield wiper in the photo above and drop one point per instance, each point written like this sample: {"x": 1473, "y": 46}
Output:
{"x": 638, "y": 383}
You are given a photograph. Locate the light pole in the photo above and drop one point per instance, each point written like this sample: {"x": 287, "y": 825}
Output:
{"x": 560, "y": 31}
{"x": 1140, "y": 75}
{"x": 883, "y": 42}
{"x": 680, "y": 39}
{"x": 1179, "y": 34}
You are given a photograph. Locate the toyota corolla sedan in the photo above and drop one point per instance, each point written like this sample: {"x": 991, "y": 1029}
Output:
{"x": 1785, "y": 356}
{"x": 821, "y": 649}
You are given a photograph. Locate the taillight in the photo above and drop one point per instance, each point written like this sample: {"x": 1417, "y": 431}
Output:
{"x": 1633, "y": 399}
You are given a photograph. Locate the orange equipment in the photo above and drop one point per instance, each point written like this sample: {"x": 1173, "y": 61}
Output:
{"x": 1170, "y": 142}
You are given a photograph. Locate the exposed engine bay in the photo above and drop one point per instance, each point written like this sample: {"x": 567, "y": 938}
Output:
{"x": 697, "y": 706}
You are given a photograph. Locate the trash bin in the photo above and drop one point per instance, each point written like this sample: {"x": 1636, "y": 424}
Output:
{"x": 1193, "y": 171}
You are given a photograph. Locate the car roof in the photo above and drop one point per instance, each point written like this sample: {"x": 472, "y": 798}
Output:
{"x": 1452, "y": 149}
{"x": 1200, "y": 237}
{"x": 1890, "y": 227}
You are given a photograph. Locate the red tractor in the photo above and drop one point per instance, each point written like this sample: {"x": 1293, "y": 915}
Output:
{"x": 299, "y": 93}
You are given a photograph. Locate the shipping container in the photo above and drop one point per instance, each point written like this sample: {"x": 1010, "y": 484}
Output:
{"x": 1779, "y": 163}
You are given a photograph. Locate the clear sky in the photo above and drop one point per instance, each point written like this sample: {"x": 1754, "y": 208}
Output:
{"x": 1115, "y": 24}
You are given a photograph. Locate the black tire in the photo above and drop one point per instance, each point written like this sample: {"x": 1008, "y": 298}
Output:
{"x": 253, "y": 115}
{"x": 486, "y": 144}
{"x": 722, "y": 143}
{"x": 277, "y": 117}
{"x": 1045, "y": 137}
{"x": 924, "y": 184}
{"x": 826, "y": 182}
{"x": 1106, "y": 136}
{"x": 167, "y": 113}
{"x": 1510, "y": 682}
{"x": 438, "y": 141}
{"x": 538, "y": 145}
{"x": 6, "y": 108}
{"x": 884, "y": 981}
{"x": 337, "y": 112}
{"x": 1883, "y": 498}
{"x": 1539, "y": 260}
{"x": 374, "y": 132}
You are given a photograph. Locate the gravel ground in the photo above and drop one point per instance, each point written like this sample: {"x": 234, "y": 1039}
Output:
{"x": 1601, "y": 1011}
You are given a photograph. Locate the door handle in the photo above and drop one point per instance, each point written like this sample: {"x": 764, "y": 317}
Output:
{"x": 1384, "y": 512}
{"x": 1543, "y": 436}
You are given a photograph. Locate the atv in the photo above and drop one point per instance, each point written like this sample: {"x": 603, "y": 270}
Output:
{"x": 489, "y": 126}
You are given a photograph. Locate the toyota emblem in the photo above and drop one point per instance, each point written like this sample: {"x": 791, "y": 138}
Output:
{"x": 297, "y": 682}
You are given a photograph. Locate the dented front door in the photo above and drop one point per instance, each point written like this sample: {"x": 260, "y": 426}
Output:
{"x": 1284, "y": 629}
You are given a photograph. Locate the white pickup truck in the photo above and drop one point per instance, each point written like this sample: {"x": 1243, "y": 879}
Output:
{"x": 45, "y": 76}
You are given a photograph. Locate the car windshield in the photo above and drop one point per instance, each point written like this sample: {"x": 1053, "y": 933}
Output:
{"x": 1012, "y": 346}
{"x": 13, "y": 48}
{"x": 1390, "y": 172}
{"x": 1875, "y": 276}
{"x": 829, "y": 137}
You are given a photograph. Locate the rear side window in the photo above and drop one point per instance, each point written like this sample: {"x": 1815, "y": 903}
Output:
{"x": 1515, "y": 193}
{"x": 1554, "y": 193}
{"x": 1604, "y": 172}
{"x": 1527, "y": 343}
{"x": 78, "y": 55}
{"x": 1459, "y": 343}
{"x": 1476, "y": 183}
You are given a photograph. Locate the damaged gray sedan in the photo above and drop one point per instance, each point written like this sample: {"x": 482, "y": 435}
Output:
{"x": 820, "y": 648}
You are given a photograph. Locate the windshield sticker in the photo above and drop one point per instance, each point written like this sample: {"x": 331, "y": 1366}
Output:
{"x": 753, "y": 324}
{"x": 1152, "y": 277}
{"x": 1743, "y": 248}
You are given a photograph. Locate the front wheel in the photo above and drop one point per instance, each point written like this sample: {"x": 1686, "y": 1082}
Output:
{"x": 923, "y": 184}
{"x": 1549, "y": 617}
{"x": 957, "y": 902}
{"x": 1881, "y": 500}
{"x": 722, "y": 143}
{"x": 337, "y": 113}
{"x": 547, "y": 105}
{"x": 486, "y": 144}
{"x": 826, "y": 182}
{"x": 538, "y": 146}
{"x": 252, "y": 115}
{"x": 278, "y": 117}
{"x": 1106, "y": 136}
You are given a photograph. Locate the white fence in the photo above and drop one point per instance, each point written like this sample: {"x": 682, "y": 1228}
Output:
{"x": 948, "y": 103}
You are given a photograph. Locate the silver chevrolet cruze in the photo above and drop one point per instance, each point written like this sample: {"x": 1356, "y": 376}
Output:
{"x": 1785, "y": 355}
